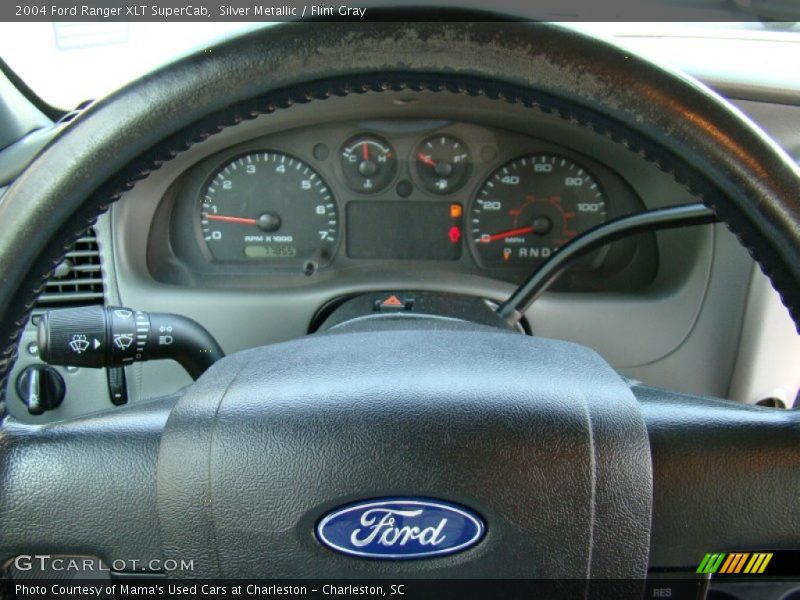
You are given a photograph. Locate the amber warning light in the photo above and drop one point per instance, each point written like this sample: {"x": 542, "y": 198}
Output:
{"x": 454, "y": 233}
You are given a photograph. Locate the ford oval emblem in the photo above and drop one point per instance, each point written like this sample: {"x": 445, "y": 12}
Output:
{"x": 400, "y": 528}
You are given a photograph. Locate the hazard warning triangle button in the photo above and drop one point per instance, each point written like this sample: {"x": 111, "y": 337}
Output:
{"x": 394, "y": 303}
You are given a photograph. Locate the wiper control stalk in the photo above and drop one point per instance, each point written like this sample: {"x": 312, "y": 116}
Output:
{"x": 113, "y": 336}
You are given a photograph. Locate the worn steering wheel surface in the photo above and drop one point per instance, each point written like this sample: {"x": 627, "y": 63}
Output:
{"x": 576, "y": 472}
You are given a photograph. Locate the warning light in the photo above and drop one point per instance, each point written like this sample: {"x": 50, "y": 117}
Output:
{"x": 454, "y": 234}
{"x": 392, "y": 301}
{"x": 455, "y": 211}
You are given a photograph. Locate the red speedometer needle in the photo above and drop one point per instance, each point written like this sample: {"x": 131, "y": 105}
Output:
{"x": 505, "y": 234}
{"x": 426, "y": 159}
{"x": 242, "y": 220}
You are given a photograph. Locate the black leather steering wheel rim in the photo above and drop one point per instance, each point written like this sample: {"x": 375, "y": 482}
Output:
{"x": 665, "y": 116}
{"x": 733, "y": 166}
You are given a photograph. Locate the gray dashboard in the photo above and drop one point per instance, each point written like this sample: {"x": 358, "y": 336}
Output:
{"x": 402, "y": 226}
{"x": 679, "y": 311}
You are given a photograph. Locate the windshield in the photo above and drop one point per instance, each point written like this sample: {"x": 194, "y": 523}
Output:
{"x": 66, "y": 63}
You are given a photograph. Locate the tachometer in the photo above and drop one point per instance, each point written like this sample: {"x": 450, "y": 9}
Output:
{"x": 530, "y": 207}
{"x": 268, "y": 206}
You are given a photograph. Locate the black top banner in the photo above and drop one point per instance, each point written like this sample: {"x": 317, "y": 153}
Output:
{"x": 377, "y": 10}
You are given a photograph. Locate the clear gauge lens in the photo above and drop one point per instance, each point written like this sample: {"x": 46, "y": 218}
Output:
{"x": 527, "y": 209}
{"x": 443, "y": 164}
{"x": 369, "y": 163}
{"x": 268, "y": 206}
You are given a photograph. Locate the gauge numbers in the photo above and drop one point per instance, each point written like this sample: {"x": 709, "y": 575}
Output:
{"x": 268, "y": 206}
{"x": 530, "y": 207}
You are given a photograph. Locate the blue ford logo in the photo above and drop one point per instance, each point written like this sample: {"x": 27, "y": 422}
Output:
{"x": 400, "y": 528}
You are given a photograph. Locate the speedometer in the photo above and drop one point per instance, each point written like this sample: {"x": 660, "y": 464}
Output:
{"x": 530, "y": 207}
{"x": 268, "y": 206}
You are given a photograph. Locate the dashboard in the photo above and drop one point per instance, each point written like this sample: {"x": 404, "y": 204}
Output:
{"x": 435, "y": 195}
{"x": 257, "y": 230}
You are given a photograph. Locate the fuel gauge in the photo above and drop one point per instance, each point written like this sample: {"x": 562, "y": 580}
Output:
{"x": 369, "y": 163}
{"x": 443, "y": 164}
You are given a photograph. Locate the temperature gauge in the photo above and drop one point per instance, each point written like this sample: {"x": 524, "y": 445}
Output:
{"x": 443, "y": 164}
{"x": 369, "y": 163}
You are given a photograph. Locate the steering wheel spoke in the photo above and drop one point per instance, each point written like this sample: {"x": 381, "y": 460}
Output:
{"x": 725, "y": 475}
{"x": 71, "y": 487}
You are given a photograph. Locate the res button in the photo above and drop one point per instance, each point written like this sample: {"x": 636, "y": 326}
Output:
{"x": 675, "y": 586}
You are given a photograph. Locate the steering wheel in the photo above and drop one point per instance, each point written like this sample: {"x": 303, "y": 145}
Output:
{"x": 575, "y": 472}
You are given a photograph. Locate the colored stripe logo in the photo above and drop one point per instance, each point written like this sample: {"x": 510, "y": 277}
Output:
{"x": 735, "y": 563}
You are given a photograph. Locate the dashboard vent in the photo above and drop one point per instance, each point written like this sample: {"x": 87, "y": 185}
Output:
{"x": 78, "y": 279}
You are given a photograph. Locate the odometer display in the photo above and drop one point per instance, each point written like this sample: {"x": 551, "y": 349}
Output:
{"x": 268, "y": 206}
{"x": 530, "y": 207}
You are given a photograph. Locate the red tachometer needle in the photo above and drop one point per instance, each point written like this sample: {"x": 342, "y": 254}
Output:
{"x": 426, "y": 159}
{"x": 231, "y": 219}
{"x": 506, "y": 234}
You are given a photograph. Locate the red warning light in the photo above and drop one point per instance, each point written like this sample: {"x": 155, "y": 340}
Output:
{"x": 454, "y": 234}
{"x": 392, "y": 301}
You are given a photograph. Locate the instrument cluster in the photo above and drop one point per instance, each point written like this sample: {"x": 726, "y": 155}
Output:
{"x": 404, "y": 192}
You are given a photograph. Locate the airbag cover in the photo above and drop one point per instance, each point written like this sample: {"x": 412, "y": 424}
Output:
{"x": 540, "y": 438}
